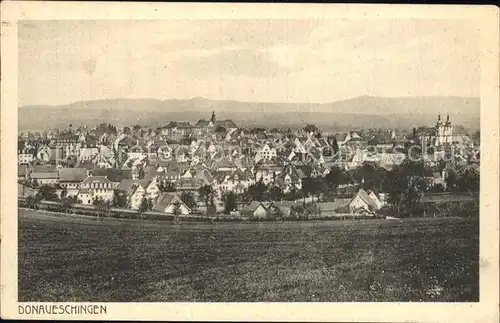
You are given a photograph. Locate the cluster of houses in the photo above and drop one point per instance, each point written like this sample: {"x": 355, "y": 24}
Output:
{"x": 137, "y": 162}
{"x": 361, "y": 203}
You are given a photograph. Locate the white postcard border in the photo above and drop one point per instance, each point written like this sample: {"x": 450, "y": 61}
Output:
{"x": 484, "y": 311}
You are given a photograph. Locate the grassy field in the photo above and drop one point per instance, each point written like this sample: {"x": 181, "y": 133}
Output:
{"x": 68, "y": 259}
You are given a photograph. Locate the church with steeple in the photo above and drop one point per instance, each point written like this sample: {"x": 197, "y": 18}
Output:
{"x": 213, "y": 123}
{"x": 439, "y": 136}
{"x": 444, "y": 132}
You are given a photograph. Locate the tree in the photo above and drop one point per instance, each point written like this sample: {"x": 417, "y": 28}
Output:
{"x": 64, "y": 192}
{"x": 310, "y": 128}
{"x": 256, "y": 130}
{"x": 101, "y": 205}
{"x": 188, "y": 199}
{"x": 451, "y": 180}
{"x": 258, "y": 191}
{"x": 33, "y": 201}
{"x": 293, "y": 194}
{"x": 440, "y": 166}
{"x": 297, "y": 210}
{"x": 322, "y": 188}
{"x": 314, "y": 186}
{"x": 337, "y": 176}
{"x": 476, "y": 137}
{"x": 177, "y": 208}
{"x": 468, "y": 180}
{"x": 220, "y": 129}
{"x": 47, "y": 193}
{"x": 371, "y": 177}
{"x": 275, "y": 193}
{"x": 207, "y": 195}
{"x": 119, "y": 199}
{"x": 333, "y": 178}
{"x": 30, "y": 201}
{"x": 34, "y": 183}
{"x": 405, "y": 185}
{"x": 145, "y": 205}
{"x": 67, "y": 203}
{"x": 229, "y": 202}
{"x": 276, "y": 213}
{"x": 335, "y": 145}
{"x": 308, "y": 186}
{"x": 212, "y": 210}
{"x": 438, "y": 188}
{"x": 244, "y": 198}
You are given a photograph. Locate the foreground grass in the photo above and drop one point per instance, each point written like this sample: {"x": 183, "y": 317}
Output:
{"x": 64, "y": 259}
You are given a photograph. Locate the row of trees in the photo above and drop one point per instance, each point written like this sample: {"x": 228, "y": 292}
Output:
{"x": 464, "y": 180}
{"x": 405, "y": 186}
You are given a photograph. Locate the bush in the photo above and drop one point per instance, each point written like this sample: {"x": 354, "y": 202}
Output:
{"x": 463, "y": 209}
{"x": 157, "y": 217}
{"x": 453, "y": 209}
{"x": 386, "y": 211}
{"x": 297, "y": 209}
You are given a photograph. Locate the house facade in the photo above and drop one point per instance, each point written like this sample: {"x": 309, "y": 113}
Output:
{"x": 71, "y": 179}
{"x": 45, "y": 175}
{"x": 25, "y": 158}
{"x": 168, "y": 202}
{"x": 265, "y": 153}
{"x": 88, "y": 153}
{"x": 95, "y": 187}
{"x": 255, "y": 210}
{"x": 236, "y": 181}
{"x": 362, "y": 203}
{"x": 69, "y": 143}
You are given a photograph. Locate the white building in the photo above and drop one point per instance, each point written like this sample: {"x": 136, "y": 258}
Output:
{"x": 444, "y": 132}
{"x": 265, "y": 152}
{"x": 95, "y": 187}
{"x": 25, "y": 158}
{"x": 88, "y": 153}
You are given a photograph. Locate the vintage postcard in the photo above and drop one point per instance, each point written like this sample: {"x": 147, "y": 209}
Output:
{"x": 256, "y": 162}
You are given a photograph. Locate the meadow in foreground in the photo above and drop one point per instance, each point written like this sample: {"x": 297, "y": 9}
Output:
{"x": 73, "y": 259}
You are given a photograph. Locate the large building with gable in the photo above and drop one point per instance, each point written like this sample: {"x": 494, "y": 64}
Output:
{"x": 213, "y": 123}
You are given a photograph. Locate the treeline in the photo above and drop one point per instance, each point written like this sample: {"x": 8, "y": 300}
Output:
{"x": 405, "y": 186}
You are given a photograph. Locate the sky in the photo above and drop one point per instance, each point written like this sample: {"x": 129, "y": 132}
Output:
{"x": 319, "y": 61}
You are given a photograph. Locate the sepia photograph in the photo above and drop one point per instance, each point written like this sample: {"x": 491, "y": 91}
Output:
{"x": 248, "y": 160}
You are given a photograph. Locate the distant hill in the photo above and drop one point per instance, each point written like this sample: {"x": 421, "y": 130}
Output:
{"x": 356, "y": 113}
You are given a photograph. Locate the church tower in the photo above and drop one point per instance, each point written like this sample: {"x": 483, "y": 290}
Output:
{"x": 444, "y": 131}
{"x": 448, "y": 131}
{"x": 439, "y": 131}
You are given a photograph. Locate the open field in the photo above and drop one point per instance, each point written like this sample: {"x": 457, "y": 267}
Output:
{"x": 67, "y": 259}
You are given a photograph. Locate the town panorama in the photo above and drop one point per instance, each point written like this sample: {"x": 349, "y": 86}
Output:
{"x": 218, "y": 169}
